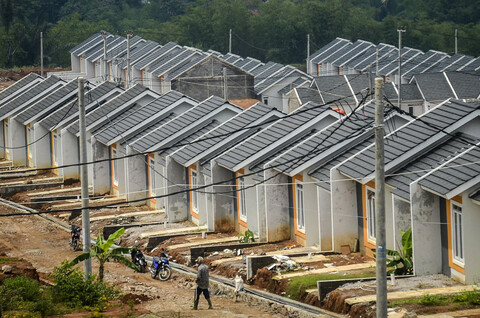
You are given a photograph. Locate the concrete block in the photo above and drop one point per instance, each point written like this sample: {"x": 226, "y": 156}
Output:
{"x": 197, "y": 251}
{"x": 326, "y": 286}
{"x": 254, "y": 263}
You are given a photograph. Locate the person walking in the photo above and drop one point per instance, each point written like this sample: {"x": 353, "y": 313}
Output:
{"x": 202, "y": 284}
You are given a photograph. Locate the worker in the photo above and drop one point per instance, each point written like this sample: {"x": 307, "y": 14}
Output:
{"x": 202, "y": 284}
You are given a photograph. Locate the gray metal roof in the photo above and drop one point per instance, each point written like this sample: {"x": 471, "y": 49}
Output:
{"x": 252, "y": 65}
{"x": 455, "y": 173}
{"x": 411, "y": 139}
{"x": 121, "y": 49}
{"x": 451, "y": 63}
{"x": 140, "y": 52}
{"x": 31, "y": 96}
{"x": 300, "y": 81}
{"x": 166, "y": 58}
{"x": 308, "y": 94}
{"x": 153, "y": 55}
{"x": 66, "y": 111}
{"x": 329, "y": 49}
{"x": 139, "y": 117}
{"x": 434, "y": 86}
{"x": 107, "y": 108}
{"x": 270, "y": 135}
{"x": 423, "y": 64}
{"x": 475, "y": 195}
{"x": 391, "y": 66}
{"x": 431, "y": 160}
{"x": 359, "y": 48}
{"x": 465, "y": 85}
{"x": 186, "y": 65}
{"x": 63, "y": 94}
{"x": 409, "y": 92}
{"x": 266, "y": 72}
{"x": 18, "y": 86}
{"x": 232, "y": 131}
{"x": 183, "y": 57}
{"x": 88, "y": 43}
{"x": 113, "y": 48}
{"x": 274, "y": 78}
{"x": 314, "y": 147}
{"x": 369, "y": 57}
{"x": 474, "y": 65}
{"x": 191, "y": 118}
{"x": 334, "y": 87}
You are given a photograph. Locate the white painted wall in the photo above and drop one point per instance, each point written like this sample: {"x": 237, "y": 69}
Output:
{"x": 277, "y": 206}
{"x": 101, "y": 170}
{"x": 17, "y": 141}
{"x": 136, "y": 177}
{"x": 324, "y": 219}
{"x": 41, "y": 149}
{"x": 70, "y": 154}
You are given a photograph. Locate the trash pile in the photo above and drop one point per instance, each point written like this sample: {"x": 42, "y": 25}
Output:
{"x": 283, "y": 264}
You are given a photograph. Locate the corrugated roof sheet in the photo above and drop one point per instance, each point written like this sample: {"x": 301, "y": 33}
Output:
{"x": 18, "y": 85}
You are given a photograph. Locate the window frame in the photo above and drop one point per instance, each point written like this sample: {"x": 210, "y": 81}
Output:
{"x": 115, "y": 176}
{"x": 193, "y": 185}
{"x": 370, "y": 214}
{"x": 151, "y": 175}
{"x": 242, "y": 198}
{"x": 300, "y": 206}
{"x": 55, "y": 148}
{"x": 456, "y": 210}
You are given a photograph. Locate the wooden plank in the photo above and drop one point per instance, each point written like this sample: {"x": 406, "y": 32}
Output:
{"x": 56, "y": 191}
{"x": 127, "y": 214}
{"x": 412, "y": 294}
{"x": 327, "y": 270}
{"x": 193, "y": 229}
{"x": 204, "y": 242}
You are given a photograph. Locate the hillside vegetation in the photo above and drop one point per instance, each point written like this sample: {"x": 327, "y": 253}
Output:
{"x": 268, "y": 30}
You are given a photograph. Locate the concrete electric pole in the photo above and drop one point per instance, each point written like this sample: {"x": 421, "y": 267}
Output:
{"x": 127, "y": 79}
{"x": 87, "y": 265}
{"x": 41, "y": 54}
{"x": 104, "y": 63}
{"x": 230, "y": 41}
{"x": 456, "y": 41}
{"x": 380, "y": 236}
{"x": 399, "y": 83}
{"x": 308, "y": 54}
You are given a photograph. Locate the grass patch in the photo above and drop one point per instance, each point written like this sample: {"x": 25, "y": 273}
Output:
{"x": 464, "y": 298}
{"x": 5, "y": 260}
{"x": 297, "y": 286}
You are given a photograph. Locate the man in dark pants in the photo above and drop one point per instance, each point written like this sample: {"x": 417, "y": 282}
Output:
{"x": 202, "y": 284}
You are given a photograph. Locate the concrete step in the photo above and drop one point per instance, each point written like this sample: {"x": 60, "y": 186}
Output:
{"x": 57, "y": 191}
{"x": 327, "y": 270}
{"x": 78, "y": 203}
{"x": 192, "y": 230}
{"x": 126, "y": 215}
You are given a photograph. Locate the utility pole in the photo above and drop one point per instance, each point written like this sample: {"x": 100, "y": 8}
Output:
{"x": 127, "y": 80}
{"x": 456, "y": 41}
{"x": 380, "y": 236}
{"x": 399, "y": 84}
{"x": 87, "y": 265}
{"x": 230, "y": 42}
{"x": 308, "y": 54}
{"x": 370, "y": 81}
{"x": 225, "y": 84}
{"x": 376, "y": 63}
{"x": 41, "y": 54}
{"x": 104, "y": 64}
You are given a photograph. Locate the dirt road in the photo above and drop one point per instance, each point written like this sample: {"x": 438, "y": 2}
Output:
{"x": 46, "y": 245}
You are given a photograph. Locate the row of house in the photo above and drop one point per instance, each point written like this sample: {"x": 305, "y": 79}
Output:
{"x": 341, "y": 56}
{"x": 301, "y": 171}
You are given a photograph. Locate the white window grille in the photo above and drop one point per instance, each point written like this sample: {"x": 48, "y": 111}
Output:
{"x": 152, "y": 176}
{"x": 300, "y": 207}
{"x": 371, "y": 215}
{"x": 115, "y": 167}
{"x": 242, "y": 202}
{"x": 457, "y": 234}
{"x": 194, "y": 192}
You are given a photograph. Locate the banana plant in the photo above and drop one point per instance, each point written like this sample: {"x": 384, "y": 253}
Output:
{"x": 103, "y": 253}
{"x": 400, "y": 262}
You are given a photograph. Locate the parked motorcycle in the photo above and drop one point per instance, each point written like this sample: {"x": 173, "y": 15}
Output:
{"x": 75, "y": 233}
{"x": 139, "y": 259}
{"x": 161, "y": 267}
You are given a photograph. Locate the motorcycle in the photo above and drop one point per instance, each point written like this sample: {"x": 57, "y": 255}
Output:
{"x": 139, "y": 259}
{"x": 161, "y": 267}
{"x": 75, "y": 232}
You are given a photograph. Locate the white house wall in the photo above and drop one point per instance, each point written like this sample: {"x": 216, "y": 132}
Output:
{"x": 70, "y": 154}
{"x": 17, "y": 142}
{"x": 471, "y": 224}
{"x": 177, "y": 205}
{"x": 277, "y": 207}
{"x": 402, "y": 220}
{"x": 324, "y": 219}
{"x": 41, "y": 149}
{"x": 101, "y": 170}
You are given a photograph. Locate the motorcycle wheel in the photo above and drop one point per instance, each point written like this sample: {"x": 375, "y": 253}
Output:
{"x": 165, "y": 273}
{"x": 153, "y": 273}
{"x": 75, "y": 245}
{"x": 142, "y": 268}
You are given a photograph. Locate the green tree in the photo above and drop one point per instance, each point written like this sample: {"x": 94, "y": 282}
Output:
{"x": 103, "y": 253}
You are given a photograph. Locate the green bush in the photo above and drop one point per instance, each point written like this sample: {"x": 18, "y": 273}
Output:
{"x": 18, "y": 289}
{"x": 74, "y": 290}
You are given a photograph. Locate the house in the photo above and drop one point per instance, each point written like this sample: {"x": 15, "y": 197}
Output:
{"x": 96, "y": 119}
{"x": 77, "y": 54}
{"x": 302, "y": 174}
{"x": 242, "y": 165}
{"x": 212, "y": 76}
{"x": 19, "y": 87}
{"x": 59, "y": 119}
{"x": 14, "y": 106}
{"x": 355, "y": 189}
{"x": 110, "y": 142}
{"x": 191, "y": 163}
{"x": 148, "y": 150}
{"x": 21, "y": 128}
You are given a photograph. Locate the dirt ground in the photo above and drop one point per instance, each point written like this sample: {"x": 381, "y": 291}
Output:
{"x": 45, "y": 245}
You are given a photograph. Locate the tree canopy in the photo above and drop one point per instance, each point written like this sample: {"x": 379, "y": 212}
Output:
{"x": 268, "y": 30}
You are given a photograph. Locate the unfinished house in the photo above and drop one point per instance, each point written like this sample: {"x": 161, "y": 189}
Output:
{"x": 191, "y": 163}
{"x": 148, "y": 151}
{"x": 242, "y": 165}
{"x": 111, "y": 142}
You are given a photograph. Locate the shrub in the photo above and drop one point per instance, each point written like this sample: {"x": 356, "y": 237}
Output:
{"x": 16, "y": 290}
{"x": 72, "y": 288}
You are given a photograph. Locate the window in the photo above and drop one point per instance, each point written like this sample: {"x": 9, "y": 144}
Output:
{"x": 194, "y": 184}
{"x": 29, "y": 141}
{"x": 299, "y": 206}
{"x": 55, "y": 149}
{"x": 457, "y": 234}
{"x": 242, "y": 202}
{"x": 115, "y": 167}
{"x": 151, "y": 175}
{"x": 410, "y": 110}
{"x": 265, "y": 100}
{"x": 371, "y": 214}
{"x": 6, "y": 133}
